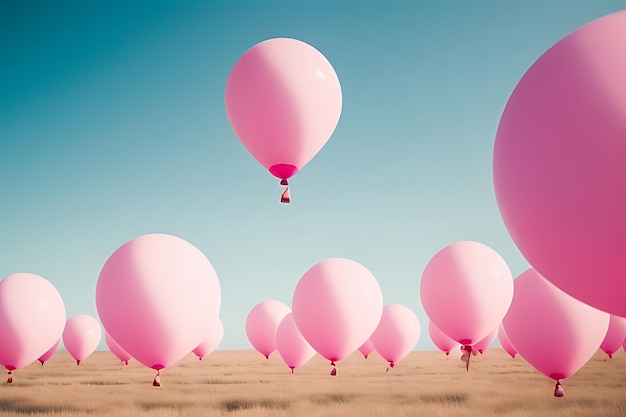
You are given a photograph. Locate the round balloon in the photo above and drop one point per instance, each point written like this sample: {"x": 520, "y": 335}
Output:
{"x": 443, "y": 342}
{"x": 337, "y": 305}
{"x": 212, "y": 339}
{"x": 116, "y": 349}
{"x": 554, "y": 332}
{"x": 505, "y": 342}
{"x": 558, "y": 164}
{"x": 155, "y": 296}
{"x": 397, "y": 333}
{"x": 32, "y": 318}
{"x": 283, "y": 100}
{"x": 48, "y": 354}
{"x": 81, "y": 336}
{"x": 261, "y": 325}
{"x": 366, "y": 348}
{"x": 291, "y": 345}
{"x": 615, "y": 336}
{"x": 466, "y": 290}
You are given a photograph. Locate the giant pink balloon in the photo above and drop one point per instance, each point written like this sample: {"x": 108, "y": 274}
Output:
{"x": 615, "y": 335}
{"x": 283, "y": 100}
{"x": 397, "y": 333}
{"x": 155, "y": 296}
{"x": 212, "y": 339}
{"x": 116, "y": 349}
{"x": 552, "y": 331}
{"x": 505, "y": 342}
{"x": 291, "y": 345}
{"x": 466, "y": 290}
{"x": 262, "y": 322}
{"x": 558, "y": 164}
{"x": 484, "y": 343}
{"x": 81, "y": 336}
{"x": 48, "y": 354}
{"x": 366, "y": 348}
{"x": 32, "y": 318}
{"x": 337, "y": 305}
{"x": 443, "y": 342}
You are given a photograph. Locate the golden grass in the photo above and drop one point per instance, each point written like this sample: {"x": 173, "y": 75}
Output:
{"x": 244, "y": 383}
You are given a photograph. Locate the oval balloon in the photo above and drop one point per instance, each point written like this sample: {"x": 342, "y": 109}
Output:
{"x": 558, "y": 164}
{"x": 505, "y": 342}
{"x": 291, "y": 345}
{"x": 283, "y": 100}
{"x": 615, "y": 335}
{"x": 32, "y": 318}
{"x": 81, "y": 336}
{"x": 397, "y": 333}
{"x": 441, "y": 340}
{"x": 466, "y": 290}
{"x": 366, "y": 348}
{"x": 212, "y": 339}
{"x": 116, "y": 349}
{"x": 337, "y": 305}
{"x": 555, "y": 333}
{"x": 43, "y": 358}
{"x": 155, "y": 296}
{"x": 261, "y": 325}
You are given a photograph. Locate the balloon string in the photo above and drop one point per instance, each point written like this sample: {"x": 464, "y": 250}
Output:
{"x": 10, "y": 378}
{"x": 333, "y": 372}
{"x": 285, "y": 197}
{"x": 467, "y": 354}
{"x": 558, "y": 389}
{"x": 157, "y": 380}
{"x": 291, "y": 369}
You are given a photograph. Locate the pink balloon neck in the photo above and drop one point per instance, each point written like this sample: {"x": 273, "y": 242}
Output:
{"x": 157, "y": 367}
{"x": 283, "y": 171}
{"x": 41, "y": 362}
{"x": 77, "y": 361}
{"x": 558, "y": 389}
{"x": 10, "y": 378}
{"x": 291, "y": 369}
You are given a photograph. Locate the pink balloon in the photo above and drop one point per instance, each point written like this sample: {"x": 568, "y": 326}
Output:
{"x": 283, "y": 100}
{"x": 484, "y": 344}
{"x": 505, "y": 342}
{"x": 366, "y": 348}
{"x": 559, "y": 168}
{"x": 32, "y": 317}
{"x": 155, "y": 297}
{"x": 261, "y": 325}
{"x": 48, "y": 354}
{"x": 81, "y": 336}
{"x": 211, "y": 340}
{"x": 552, "y": 331}
{"x": 337, "y": 305}
{"x": 443, "y": 342}
{"x": 291, "y": 345}
{"x": 615, "y": 335}
{"x": 397, "y": 333}
{"x": 116, "y": 349}
{"x": 466, "y": 290}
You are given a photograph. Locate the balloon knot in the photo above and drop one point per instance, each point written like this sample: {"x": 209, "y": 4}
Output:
{"x": 391, "y": 364}
{"x": 558, "y": 389}
{"x": 10, "y": 378}
{"x": 292, "y": 369}
{"x": 610, "y": 356}
{"x": 284, "y": 181}
{"x": 156, "y": 382}
{"x": 126, "y": 363}
{"x": 333, "y": 372}
{"x": 77, "y": 361}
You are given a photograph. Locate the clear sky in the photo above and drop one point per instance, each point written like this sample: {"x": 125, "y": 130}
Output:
{"x": 112, "y": 125}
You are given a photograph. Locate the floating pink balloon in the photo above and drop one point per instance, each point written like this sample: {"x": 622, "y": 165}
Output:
{"x": 397, "y": 333}
{"x": 212, "y": 339}
{"x": 261, "y": 325}
{"x": 155, "y": 296}
{"x": 337, "y": 305}
{"x": 505, "y": 342}
{"x": 443, "y": 342}
{"x": 81, "y": 336}
{"x": 466, "y": 290}
{"x": 615, "y": 335}
{"x": 552, "y": 331}
{"x": 283, "y": 100}
{"x": 43, "y": 358}
{"x": 116, "y": 349}
{"x": 32, "y": 317}
{"x": 558, "y": 164}
{"x": 291, "y": 345}
{"x": 366, "y": 348}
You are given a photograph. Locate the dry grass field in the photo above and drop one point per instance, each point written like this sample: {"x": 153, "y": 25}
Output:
{"x": 244, "y": 383}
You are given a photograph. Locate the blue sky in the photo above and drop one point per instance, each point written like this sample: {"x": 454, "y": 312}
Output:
{"x": 112, "y": 125}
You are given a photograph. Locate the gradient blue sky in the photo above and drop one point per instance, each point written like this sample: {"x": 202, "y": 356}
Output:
{"x": 112, "y": 125}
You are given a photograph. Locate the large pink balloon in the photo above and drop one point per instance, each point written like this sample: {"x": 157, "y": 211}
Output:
{"x": 116, "y": 349}
{"x": 32, "y": 317}
{"x": 262, "y": 322}
{"x": 615, "y": 335}
{"x": 397, "y": 333}
{"x": 443, "y": 342}
{"x": 48, "y": 354}
{"x": 466, "y": 290}
{"x": 366, "y": 348}
{"x": 552, "y": 331}
{"x": 155, "y": 296}
{"x": 484, "y": 344}
{"x": 291, "y": 345}
{"x": 81, "y": 336}
{"x": 212, "y": 339}
{"x": 283, "y": 100}
{"x": 558, "y": 164}
{"x": 337, "y": 305}
{"x": 505, "y": 342}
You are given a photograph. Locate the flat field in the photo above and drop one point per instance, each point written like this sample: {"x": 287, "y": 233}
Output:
{"x": 244, "y": 383}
